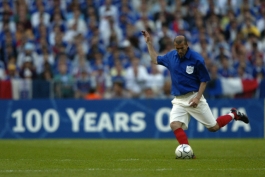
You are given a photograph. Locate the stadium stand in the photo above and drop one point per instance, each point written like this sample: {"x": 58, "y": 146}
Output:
{"x": 68, "y": 48}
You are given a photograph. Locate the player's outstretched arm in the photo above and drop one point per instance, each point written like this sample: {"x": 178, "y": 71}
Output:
{"x": 150, "y": 47}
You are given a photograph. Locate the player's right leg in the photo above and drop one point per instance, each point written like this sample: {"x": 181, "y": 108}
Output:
{"x": 179, "y": 120}
{"x": 179, "y": 133}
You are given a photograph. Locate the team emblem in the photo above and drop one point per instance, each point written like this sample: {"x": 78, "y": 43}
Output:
{"x": 190, "y": 69}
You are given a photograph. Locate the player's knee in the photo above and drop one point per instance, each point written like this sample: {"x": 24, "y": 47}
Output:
{"x": 175, "y": 125}
{"x": 214, "y": 128}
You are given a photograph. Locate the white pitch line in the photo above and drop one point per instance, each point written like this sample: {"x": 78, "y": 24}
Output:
{"x": 122, "y": 169}
{"x": 128, "y": 159}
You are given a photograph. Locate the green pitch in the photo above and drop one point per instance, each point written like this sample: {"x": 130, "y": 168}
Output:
{"x": 131, "y": 158}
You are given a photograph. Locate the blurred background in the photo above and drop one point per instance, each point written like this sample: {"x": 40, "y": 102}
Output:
{"x": 93, "y": 49}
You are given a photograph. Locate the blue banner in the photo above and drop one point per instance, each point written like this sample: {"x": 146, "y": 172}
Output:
{"x": 127, "y": 118}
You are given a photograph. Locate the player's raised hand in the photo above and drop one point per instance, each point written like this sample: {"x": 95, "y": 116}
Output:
{"x": 147, "y": 36}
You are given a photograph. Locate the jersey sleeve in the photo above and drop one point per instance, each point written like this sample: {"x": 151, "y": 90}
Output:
{"x": 203, "y": 72}
{"x": 163, "y": 60}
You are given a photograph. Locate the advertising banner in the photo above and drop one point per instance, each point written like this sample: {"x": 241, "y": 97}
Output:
{"x": 126, "y": 118}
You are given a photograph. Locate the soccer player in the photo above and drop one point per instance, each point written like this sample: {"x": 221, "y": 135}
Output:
{"x": 189, "y": 77}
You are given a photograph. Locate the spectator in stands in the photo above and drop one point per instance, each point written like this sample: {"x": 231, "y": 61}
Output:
{"x": 7, "y": 52}
{"x": 59, "y": 45}
{"x": 259, "y": 68}
{"x": 28, "y": 69}
{"x": 46, "y": 74}
{"x": 108, "y": 9}
{"x": 23, "y": 15}
{"x": 64, "y": 82}
{"x": 58, "y": 17}
{"x": 78, "y": 22}
{"x": 222, "y": 52}
{"x": 84, "y": 82}
{"x": 226, "y": 70}
{"x": 112, "y": 36}
{"x": 103, "y": 79}
{"x": 117, "y": 73}
{"x": 93, "y": 95}
{"x": 179, "y": 23}
{"x": 155, "y": 80}
{"x": 80, "y": 62}
{"x": 126, "y": 13}
{"x": 261, "y": 20}
{"x": 165, "y": 33}
{"x": 231, "y": 30}
{"x": 95, "y": 47}
{"x": 144, "y": 23}
{"x": 250, "y": 40}
{"x": 202, "y": 46}
{"x": 2, "y": 71}
{"x": 118, "y": 90}
{"x": 254, "y": 49}
{"x": 7, "y": 20}
{"x": 250, "y": 28}
{"x": 40, "y": 16}
{"x": 243, "y": 61}
{"x": 147, "y": 93}
{"x": 136, "y": 78}
{"x": 21, "y": 33}
{"x": 12, "y": 72}
{"x": 91, "y": 11}
{"x": 166, "y": 93}
{"x": 27, "y": 52}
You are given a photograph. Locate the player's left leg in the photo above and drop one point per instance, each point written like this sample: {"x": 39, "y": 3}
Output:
{"x": 204, "y": 115}
{"x": 225, "y": 119}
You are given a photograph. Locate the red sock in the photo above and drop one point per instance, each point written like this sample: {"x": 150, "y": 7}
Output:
{"x": 181, "y": 136}
{"x": 223, "y": 120}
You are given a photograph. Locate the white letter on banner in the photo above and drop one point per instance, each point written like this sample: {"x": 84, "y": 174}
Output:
{"x": 75, "y": 118}
{"x": 237, "y": 124}
{"x": 121, "y": 121}
{"x": 19, "y": 121}
{"x": 139, "y": 124}
{"x": 200, "y": 127}
{"x": 105, "y": 122}
{"x": 159, "y": 119}
{"x": 29, "y": 120}
{"x": 89, "y": 122}
{"x": 51, "y": 113}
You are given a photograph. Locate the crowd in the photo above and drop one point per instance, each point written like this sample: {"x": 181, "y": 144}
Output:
{"x": 93, "y": 49}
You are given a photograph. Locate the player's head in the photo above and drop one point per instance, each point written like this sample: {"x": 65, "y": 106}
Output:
{"x": 181, "y": 45}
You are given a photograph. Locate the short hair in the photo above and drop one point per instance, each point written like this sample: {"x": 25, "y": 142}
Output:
{"x": 180, "y": 38}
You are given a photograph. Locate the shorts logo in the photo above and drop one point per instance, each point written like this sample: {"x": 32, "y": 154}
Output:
{"x": 190, "y": 69}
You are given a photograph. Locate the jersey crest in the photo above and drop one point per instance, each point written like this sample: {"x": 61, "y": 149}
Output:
{"x": 190, "y": 69}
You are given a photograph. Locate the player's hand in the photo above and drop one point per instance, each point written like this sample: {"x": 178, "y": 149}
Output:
{"x": 147, "y": 36}
{"x": 194, "y": 102}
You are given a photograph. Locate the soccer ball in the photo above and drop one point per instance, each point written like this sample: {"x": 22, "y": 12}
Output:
{"x": 184, "y": 151}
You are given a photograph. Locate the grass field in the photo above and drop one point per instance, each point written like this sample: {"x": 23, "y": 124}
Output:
{"x": 131, "y": 158}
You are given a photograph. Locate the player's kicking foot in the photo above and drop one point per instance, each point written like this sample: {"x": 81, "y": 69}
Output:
{"x": 239, "y": 116}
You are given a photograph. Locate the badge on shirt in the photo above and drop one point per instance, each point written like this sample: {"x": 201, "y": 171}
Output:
{"x": 190, "y": 69}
